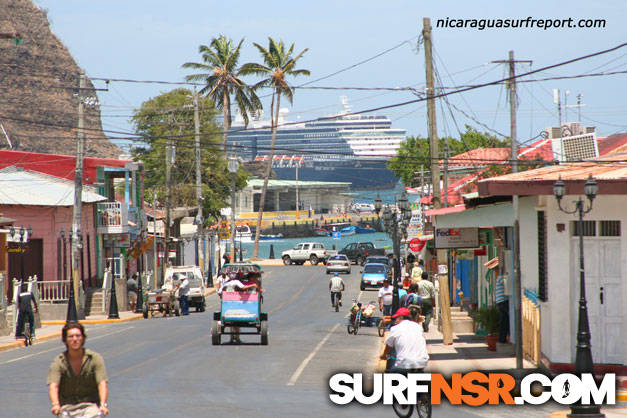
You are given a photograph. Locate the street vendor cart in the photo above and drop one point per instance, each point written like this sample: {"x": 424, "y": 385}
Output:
{"x": 163, "y": 301}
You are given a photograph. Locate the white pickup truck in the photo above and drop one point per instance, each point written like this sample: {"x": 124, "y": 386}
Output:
{"x": 303, "y": 251}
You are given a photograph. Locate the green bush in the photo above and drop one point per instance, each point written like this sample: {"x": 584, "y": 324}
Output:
{"x": 488, "y": 319}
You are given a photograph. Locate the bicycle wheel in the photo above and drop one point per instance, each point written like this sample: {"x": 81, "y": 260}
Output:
{"x": 423, "y": 408}
{"x": 357, "y": 322}
{"x": 403, "y": 411}
{"x": 350, "y": 328}
{"x": 381, "y": 327}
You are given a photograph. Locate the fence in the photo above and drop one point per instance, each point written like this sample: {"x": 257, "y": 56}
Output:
{"x": 531, "y": 326}
{"x": 54, "y": 290}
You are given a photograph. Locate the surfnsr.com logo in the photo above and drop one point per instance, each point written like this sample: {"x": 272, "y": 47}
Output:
{"x": 474, "y": 389}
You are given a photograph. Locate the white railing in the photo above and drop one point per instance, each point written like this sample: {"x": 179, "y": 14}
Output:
{"x": 54, "y": 290}
{"x": 112, "y": 217}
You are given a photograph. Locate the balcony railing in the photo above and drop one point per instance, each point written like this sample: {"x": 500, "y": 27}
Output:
{"x": 112, "y": 218}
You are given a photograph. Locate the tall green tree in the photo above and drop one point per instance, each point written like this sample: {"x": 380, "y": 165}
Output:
{"x": 168, "y": 120}
{"x": 279, "y": 62}
{"x": 221, "y": 76}
{"x": 414, "y": 152}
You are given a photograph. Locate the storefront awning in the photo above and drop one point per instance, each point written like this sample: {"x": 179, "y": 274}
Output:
{"x": 445, "y": 211}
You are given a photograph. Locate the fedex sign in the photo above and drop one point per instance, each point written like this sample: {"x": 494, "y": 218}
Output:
{"x": 456, "y": 237}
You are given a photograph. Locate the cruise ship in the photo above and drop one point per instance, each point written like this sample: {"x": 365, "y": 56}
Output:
{"x": 344, "y": 147}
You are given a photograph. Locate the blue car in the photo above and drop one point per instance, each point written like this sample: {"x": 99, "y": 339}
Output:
{"x": 373, "y": 275}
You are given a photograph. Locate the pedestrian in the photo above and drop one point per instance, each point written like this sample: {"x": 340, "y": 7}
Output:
{"x": 25, "y": 300}
{"x": 77, "y": 379}
{"x": 411, "y": 259}
{"x": 502, "y": 304}
{"x": 426, "y": 291}
{"x": 416, "y": 272}
{"x": 226, "y": 258}
{"x": 183, "y": 288}
{"x": 385, "y": 297}
{"x": 131, "y": 288}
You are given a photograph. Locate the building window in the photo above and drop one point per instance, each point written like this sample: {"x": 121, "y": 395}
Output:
{"x": 589, "y": 228}
{"x": 543, "y": 294}
{"x": 610, "y": 228}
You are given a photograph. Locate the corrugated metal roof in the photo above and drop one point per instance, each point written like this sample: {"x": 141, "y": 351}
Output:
{"x": 22, "y": 187}
{"x": 292, "y": 183}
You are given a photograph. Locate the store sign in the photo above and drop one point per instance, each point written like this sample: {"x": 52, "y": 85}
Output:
{"x": 456, "y": 237}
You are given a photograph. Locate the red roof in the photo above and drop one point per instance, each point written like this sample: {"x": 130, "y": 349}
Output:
{"x": 57, "y": 165}
{"x": 611, "y": 143}
{"x": 479, "y": 157}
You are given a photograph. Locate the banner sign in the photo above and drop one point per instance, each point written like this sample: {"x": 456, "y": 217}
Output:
{"x": 456, "y": 237}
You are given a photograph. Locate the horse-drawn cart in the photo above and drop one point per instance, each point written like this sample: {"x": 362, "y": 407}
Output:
{"x": 162, "y": 301}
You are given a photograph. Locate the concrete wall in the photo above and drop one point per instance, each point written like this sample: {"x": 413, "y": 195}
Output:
{"x": 52, "y": 311}
{"x": 559, "y": 313}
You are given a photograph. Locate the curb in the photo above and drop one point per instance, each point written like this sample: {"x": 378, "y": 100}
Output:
{"x": 97, "y": 321}
{"x": 20, "y": 343}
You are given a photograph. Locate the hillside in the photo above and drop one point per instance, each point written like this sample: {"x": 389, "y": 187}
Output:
{"x": 38, "y": 87}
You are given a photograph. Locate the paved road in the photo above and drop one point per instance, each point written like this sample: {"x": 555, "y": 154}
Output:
{"x": 167, "y": 367}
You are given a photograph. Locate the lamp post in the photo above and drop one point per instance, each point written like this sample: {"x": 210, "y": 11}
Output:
{"x": 233, "y": 166}
{"x": 395, "y": 224}
{"x": 583, "y": 356}
{"x": 139, "y": 305}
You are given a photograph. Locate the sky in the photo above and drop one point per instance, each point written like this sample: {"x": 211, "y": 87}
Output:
{"x": 150, "y": 40}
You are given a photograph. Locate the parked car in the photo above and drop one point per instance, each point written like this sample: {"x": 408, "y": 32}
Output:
{"x": 357, "y": 252}
{"x": 363, "y": 207}
{"x": 196, "y": 297}
{"x": 303, "y": 251}
{"x": 338, "y": 263}
{"x": 373, "y": 275}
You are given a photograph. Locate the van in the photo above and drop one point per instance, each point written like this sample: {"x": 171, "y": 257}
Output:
{"x": 196, "y": 297}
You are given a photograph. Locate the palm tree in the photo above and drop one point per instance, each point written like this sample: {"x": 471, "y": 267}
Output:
{"x": 221, "y": 77}
{"x": 278, "y": 63}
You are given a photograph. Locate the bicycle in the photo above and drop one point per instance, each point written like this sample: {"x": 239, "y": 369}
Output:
{"x": 336, "y": 300}
{"x": 423, "y": 401}
{"x": 355, "y": 318}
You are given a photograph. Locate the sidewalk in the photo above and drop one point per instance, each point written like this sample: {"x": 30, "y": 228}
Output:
{"x": 52, "y": 329}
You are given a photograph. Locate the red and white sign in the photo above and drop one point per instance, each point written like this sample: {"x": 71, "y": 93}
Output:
{"x": 416, "y": 245}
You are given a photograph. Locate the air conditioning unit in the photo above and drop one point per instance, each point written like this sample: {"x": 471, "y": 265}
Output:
{"x": 575, "y": 147}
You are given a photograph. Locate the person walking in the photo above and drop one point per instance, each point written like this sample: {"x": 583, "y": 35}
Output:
{"x": 131, "y": 288}
{"x": 77, "y": 380}
{"x": 386, "y": 294}
{"x": 25, "y": 300}
{"x": 502, "y": 304}
{"x": 426, "y": 291}
{"x": 416, "y": 272}
{"x": 183, "y": 288}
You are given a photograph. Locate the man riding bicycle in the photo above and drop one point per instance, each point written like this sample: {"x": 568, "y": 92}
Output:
{"x": 407, "y": 340}
{"x": 336, "y": 286}
{"x": 25, "y": 312}
{"x": 77, "y": 379}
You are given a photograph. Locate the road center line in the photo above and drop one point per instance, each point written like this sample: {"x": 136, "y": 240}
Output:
{"x": 57, "y": 348}
{"x": 302, "y": 366}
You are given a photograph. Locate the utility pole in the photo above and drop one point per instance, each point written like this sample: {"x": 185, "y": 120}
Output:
{"x": 433, "y": 132}
{"x": 168, "y": 175}
{"x": 517, "y": 293}
{"x": 154, "y": 238}
{"x": 422, "y": 180}
{"x": 446, "y": 173}
{"x": 297, "y": 197}
{"x": 199, "y": 217}
{"x": 558, "y": 101}
{"x": 78, "y": 194}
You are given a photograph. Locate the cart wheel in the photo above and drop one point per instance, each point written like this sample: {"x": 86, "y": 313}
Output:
{"x": 145, "y": 311}
{"x": 381, "y": 328}
{"x": 215, "y": 333}
{"x": 167, "y": 311}
{"x": 177, "y": 309}
{"x": 264, "y": 333}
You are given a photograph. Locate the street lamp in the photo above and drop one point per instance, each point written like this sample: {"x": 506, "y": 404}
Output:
{"x": 396, "y": 226}
{"x": 71, "y": 315}
{"x": 583, "y": 357}
{"x": 233, "y": 166}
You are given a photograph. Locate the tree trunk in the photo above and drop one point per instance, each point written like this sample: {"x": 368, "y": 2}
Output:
{"x": 226, "y": 125}
{"x": 266, "y": 177}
